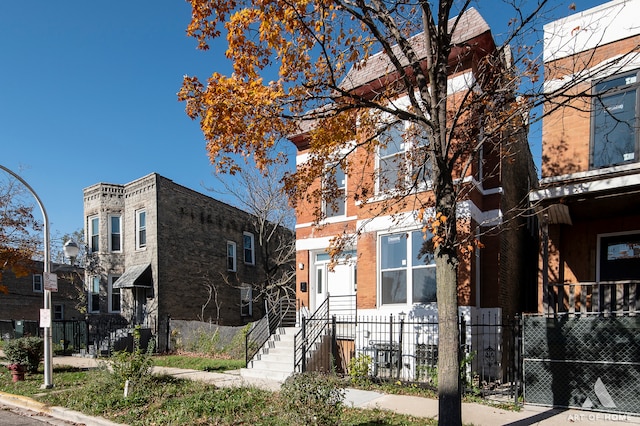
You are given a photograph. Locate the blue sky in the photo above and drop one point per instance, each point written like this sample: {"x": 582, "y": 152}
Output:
{"x": 88, "y": 94}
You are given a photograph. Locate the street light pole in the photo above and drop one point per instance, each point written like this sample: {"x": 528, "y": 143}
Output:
{"x": 48, "y": 355}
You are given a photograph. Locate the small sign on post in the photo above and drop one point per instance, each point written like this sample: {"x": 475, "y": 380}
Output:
{"x": 50, "y": 281}
{"x": 45, "y": 318}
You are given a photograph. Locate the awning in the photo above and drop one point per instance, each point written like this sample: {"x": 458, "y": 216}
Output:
{"x": 135, "y": 276}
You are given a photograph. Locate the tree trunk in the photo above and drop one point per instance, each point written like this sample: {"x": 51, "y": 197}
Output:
{"x": 449, "y": 397}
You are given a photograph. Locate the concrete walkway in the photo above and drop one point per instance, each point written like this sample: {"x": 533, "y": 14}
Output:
{"x": 476, "y": 414}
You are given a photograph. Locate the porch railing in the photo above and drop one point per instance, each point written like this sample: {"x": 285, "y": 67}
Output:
{"x": 604, "y": 297}
{"x": 265, "y": 327}
{"x": 311, "y": 332}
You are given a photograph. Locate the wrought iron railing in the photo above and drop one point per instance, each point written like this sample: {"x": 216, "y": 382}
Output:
{"x": 265, "y": 327}
{"x": 605, "y": 297}
{"x": 312, "y": 330}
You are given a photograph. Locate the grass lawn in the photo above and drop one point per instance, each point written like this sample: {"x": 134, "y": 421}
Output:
{"x": 194, "y": 362}
{"x": 165, "y": 400}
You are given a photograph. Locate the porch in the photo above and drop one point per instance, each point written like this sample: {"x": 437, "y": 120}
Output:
{"x": 603, "y": 297}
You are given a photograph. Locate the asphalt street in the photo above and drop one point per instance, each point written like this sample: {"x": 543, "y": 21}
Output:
{"x": 10, "y": 416}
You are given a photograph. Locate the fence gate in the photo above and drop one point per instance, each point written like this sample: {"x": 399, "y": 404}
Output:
{"x": 582, "y": 361}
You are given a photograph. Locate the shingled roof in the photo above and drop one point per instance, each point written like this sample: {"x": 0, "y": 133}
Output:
{"x": 471, "y": 25}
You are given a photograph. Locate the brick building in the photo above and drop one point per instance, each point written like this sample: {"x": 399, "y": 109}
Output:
{"x": 588, "y": 196}
{"x": 26, "y": 294}
{"x": 382, "y": 269}
{"x": 166, "y": 251}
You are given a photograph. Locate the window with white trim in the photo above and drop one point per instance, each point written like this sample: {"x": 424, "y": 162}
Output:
{"x": 231, "y": 256}
{"x": 402, "y": 158}
{"x": 115, "y": 233}
{"x": 614, "y": 129}
{"x": 248, "y": 242}
{"x": 114, "y": 295}
{"x": 141, "y": 229}
{"x": 246, "y": 301}
{"x": 38, "y": 285}
{"x": 94, "y": 295}
{"x": 407, "y": 275}
{"x": 58, "y": 312}
{"x": 334, "y": 185}
{"x": 94, "y": 234}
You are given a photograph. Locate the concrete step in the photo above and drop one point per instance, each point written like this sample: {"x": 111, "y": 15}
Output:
{"x": 279, "y": 376}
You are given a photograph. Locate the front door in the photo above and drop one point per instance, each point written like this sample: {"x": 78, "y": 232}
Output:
{"x": 338, "y": 283}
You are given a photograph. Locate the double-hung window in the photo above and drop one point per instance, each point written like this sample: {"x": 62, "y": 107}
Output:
{"x": 115, "y": 233}
{"x": 141, "y": 229}
{"x": 58, "y": 312}
{"x": 94, "y": 294}
{"x": 246, "y": 301}
{"x": 249, "y": 249}
{"x": 407, "y": 274}
{"x": 38, "y": 285}
{"x": 231, "y": 256}
{"x": 94, "y": 234}
{"x": 614, "y": 129}
{"x": 114, "y": 294}
{"x": 402, "y": 158}
{"x": 335, "y": 185}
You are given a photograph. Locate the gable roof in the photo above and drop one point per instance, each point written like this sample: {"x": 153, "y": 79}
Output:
{"x": 471, "y": 25}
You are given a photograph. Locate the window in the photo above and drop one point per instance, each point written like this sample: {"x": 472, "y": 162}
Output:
{"x": 249, "y": 250}
{"x": 402, "y": 158}
{"x": 115, "y": 233}
{"x": 38, "y": 285}
{"x": 114, "y": 295}
{"x": 614, "y": 122}
{"x": 246, "y": 301}
{"x": 58, "y": 312}
{"x": 406, "y": 275}
{"x": 141, "y": 229}
{"x": 94, "y": 295}
{"x": 619, "y": 257}
{"x": 335, "y": 192}
{"x": 231, "y": 256}
{"x": 94, "y": 234}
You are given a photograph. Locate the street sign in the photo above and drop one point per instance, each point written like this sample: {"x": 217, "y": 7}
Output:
{"x": 50, "y": 281}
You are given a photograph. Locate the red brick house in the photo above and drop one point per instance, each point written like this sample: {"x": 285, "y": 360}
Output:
{"x": 588, "y": 197}
{"x": 382, "y": 269}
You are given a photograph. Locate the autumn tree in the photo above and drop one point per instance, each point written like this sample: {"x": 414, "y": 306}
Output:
{"x": 273, "y": 220}
{"x": 19, "y": 241}
{"x": 291, "y": 75}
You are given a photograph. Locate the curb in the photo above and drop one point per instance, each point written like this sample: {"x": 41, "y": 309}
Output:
{"x": 59, "y": 413}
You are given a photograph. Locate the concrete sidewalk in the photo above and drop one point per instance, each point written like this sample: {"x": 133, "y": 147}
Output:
{"x": 476, "y": 414}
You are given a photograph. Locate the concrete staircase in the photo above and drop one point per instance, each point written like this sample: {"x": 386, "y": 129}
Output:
{"x": 275, "y": 360}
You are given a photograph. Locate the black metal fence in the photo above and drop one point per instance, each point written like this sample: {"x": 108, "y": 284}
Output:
{"x": 396, "y": 348}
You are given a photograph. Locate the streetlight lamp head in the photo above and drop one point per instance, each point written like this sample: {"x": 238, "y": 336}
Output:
{"x": 71, "y": 249}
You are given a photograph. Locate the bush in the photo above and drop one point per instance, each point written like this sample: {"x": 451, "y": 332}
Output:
{"x": 26, "y": 351}
{"x": 133, "y": 366}
{"x": 359, "y": 368}
{"x": 313, "y": 398}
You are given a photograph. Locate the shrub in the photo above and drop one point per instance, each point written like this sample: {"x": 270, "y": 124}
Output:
{"x": 359, "y": 367}
{"x": 26, "y": 351}
{"x": 313, "y": 398}
{"x": 133, "y": 366}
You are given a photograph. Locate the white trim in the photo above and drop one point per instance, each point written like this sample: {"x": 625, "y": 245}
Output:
{"x": 235, "y": 256}
{"x": 594, "y": 27}
{"x": 252, "y": 248}
{"x": 110, "y": 232}
{"x": 313, "y": 243}
{"x": 581, "y": 188}
{"x": 599, "y": 240}
{"x": 40, "y": 288}
{"x": 112, "y": 279}
{"x": 138, "y": 212}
